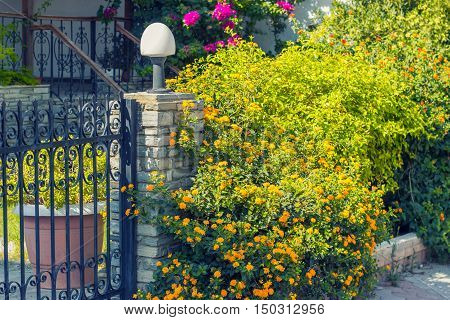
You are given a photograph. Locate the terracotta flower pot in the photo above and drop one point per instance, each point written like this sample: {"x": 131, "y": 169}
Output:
{"x": 89, "y": 238}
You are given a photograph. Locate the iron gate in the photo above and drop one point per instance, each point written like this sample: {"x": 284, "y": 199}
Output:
{"x": 62, "y": 228}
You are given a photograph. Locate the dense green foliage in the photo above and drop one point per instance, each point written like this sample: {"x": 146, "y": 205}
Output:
{"x": 287, "y": 202}
{"x": 7, "y": 55}
{"x": 410, "y": 38}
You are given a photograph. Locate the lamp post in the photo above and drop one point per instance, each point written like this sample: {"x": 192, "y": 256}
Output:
{"x": 158, "y": 42}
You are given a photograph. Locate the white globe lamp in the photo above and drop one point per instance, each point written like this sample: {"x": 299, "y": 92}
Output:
{"x": 158, "y": 42}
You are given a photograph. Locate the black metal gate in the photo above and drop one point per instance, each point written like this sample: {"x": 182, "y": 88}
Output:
{"x": 62, "y": 228}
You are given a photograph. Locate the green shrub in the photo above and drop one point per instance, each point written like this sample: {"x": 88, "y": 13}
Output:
{"x": 59, "y": 181}
{"x": 410, "y": 38}
{"x": 283, "y": 205}
{"x": 7, "y": 55}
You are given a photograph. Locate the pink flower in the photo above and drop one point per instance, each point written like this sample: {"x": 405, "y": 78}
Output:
{"x": 109, "y": 12}
{"x": 223, "y": 11}
{"x": 286, "y": 6}
{"x": 191, "y": 18}
{"x": 210, "y": 47}
{"x": 220, "y": 44}
{"x": 228, "y": 24}
{"x": 233, "y": 41}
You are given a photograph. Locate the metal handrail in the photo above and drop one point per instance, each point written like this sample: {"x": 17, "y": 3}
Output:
{"x": 95, "y": 67}
{"x": 63, "y": 18}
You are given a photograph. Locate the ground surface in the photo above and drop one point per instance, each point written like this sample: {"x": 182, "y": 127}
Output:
{"x": 431, "y": 282}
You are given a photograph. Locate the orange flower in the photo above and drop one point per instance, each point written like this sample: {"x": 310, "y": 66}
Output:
{"x": 223, "y": 293}
{"x": 127, "y": 212}
{"x": 442, "y": 216}
{"x": 173, "y": 134}
{"x": 123, "y": 189}
{"x": 233, "y": 283}
{"x": 249, "y": 267}
{"x": 217, "y": 274}
{"x": 182, "y": 205}
{"x": 172, "y": 142}
{"x": 150, "y": 187}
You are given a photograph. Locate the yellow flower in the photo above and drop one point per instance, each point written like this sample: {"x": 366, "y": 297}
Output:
{"x": 220, "y": 240}
{"x": 259, "y": 201}
{"x": 123, "y": 189}
{"x": 216, "y": 246}
{"x": 194, "y": 192}
{"x": 165, "y": 270}
{"x": 186, "y": 221}
{"x": 217, "y": 274}
{"x": 199, "y": 231}
{"x": 249, "y": 267}
{"x": 130, "y": 186}
{"x": 159, "y": 264}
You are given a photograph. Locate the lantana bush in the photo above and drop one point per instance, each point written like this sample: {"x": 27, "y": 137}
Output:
{"x": 287, "y": 202}
{"x": 411, "y": 39}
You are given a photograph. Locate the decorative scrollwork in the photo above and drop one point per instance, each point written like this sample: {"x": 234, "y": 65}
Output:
{"x": 64, "y": 150}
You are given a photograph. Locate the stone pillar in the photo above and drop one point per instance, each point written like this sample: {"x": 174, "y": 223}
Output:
{"x": 159, "y": 116}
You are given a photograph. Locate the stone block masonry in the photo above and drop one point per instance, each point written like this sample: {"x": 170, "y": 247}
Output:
{"x": 26, "y": 94}
{"x": 158, "y": 116}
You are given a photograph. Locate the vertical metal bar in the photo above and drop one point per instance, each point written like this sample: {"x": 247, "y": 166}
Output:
{"x": 5, "y": 208}
{"x": 71, "y": 63}
{"x": 36, "y": 202}
{"x": 108, "y": 198}
{"x": 128, "y": 166}
{"x": 52, "y": 50}
{"x": 67, "y": 187}
{"x": 81, "y": 173}
{"x": 82, "y": 63}
{"x": 95, "y": 198}
{"x": 41, "y": 63}
{"x": 52, "y": 202}
{"x": 20, "y": 158}
{"x": 93, "y": 56}
{"x": 61, "y": 61}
